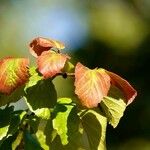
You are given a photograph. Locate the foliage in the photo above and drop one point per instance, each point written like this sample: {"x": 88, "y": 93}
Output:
{"x": 58, "y": 123}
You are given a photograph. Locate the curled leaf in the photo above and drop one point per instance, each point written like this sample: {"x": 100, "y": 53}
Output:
{"x": 129, "y": 92}
{"x": 91, "y": 85}
{"x": 13, "y": 73}
{"x": 51, "y": 63}
{"x": 39, "y": 45}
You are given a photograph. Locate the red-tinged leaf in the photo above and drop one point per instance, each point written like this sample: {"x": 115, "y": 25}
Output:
{"x": 91, "y": 85}
{"x": 13, "y": 73}
{"x": 39, "y": 45}
{"x": 129, "y": 92}
{"x": 51, "y": 63}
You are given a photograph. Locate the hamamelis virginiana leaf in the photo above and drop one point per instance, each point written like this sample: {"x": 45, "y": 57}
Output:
{"x": 128, "y": 91}
{"x": 50, "y": 63}
{"x": 13, "y": 73}
{"x": 91, "y": 85}
{"x": 39, "y": 45}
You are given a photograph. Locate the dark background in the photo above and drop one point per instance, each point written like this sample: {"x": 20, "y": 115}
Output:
{"x": 111, "y": 34}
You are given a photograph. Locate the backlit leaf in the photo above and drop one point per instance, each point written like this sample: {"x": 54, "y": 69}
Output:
{"x": 39, "y": 45}
{"x": 128, "y": 91}
{"x": 69, "y": 67}
{"x": 41, "y": 136}
{"x": 13, "y": 73}
{"x": 94, "y": 130}
{"x": 18, "y": 140}
{"x": 51, "y": 63}
{"x": 62, "y": 111}
{"x": 91, "y": 85}
{"x": 114, "y": 109}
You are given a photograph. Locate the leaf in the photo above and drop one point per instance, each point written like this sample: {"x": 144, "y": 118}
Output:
{"x": 18, "y": 140}
{"x": 39, "y": 45}
{"x": 40, "y": 95}
{"x": 114, "y": 109}
{"x": 30, "y": 142}
{"x": 41, "y": 136}
{"x": 91, "y": 85}
{"x": 129, "y": 92}
{"x": 3, "y": 131}
{"x": 15, "y": 122}
{"x": 13, "y": 73}
{"x": 62, "y": 111}
{"x": 7, "y": 143}
{"x": 69, "y": 67}
{"x": 94, "y": 128}
{"x": 71, "y": 133}
{"x": 51, "y": 63}
{"x": 5, "y": 117}
{"x": 114, "y": 106}
{"x": 13, "y": 97}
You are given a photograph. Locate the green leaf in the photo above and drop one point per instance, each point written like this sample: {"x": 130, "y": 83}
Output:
{"x": 5, "y": 117}
{"x": 15, "y": 122}
{"x": 31, "y": 142}
{"x": 43, "y": 131}
{"x": 71, "y": 132}
{"x": 62, "y": 111}
{"x": 69, "y": 67}
{"x": 7, "y": 143}
{"x": 34, "y": 77}
{"x": 94, "y": 130}
{"x": 3, "y": 131}
{"x": 43, "y": 113}
{"x": 40, "y": 95}
{"x": 18, "y": 140}
{"x": 41, "y": 136}
{"x": 114, "y": 106}
{"x": 13, "y": 97}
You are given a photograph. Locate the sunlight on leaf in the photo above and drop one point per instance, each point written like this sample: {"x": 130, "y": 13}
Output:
{"x": 51, "y": 63}
{"x": 13, "y": 73}
{"x": 18, "y": 140}
{"x": 91, "y": 85}
{"x": 60, "y": 121}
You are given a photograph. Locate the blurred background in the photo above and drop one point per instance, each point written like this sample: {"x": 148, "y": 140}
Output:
{"x": 112, "y": 34}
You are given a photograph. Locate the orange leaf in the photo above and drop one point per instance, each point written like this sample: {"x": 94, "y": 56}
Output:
{"x": 13, "y": 73}
{"x": 129, "y": 92}
{"x": 39, "y": 45}
{"x": 91, "y": 85}
{"x": 50, "y": 63}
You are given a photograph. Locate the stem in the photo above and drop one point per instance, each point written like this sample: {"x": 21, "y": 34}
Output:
{"x": 71, "y": 74}
{"x": 65, "y": 75}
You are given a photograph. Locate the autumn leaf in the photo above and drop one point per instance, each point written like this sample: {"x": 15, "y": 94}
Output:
{"x": 50, "y": 63}
{"x": 39, "y": 45}
{"x": 128, "y": 91}
{"x": 91, "y": 85}
{"x": 13, "y": 73}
